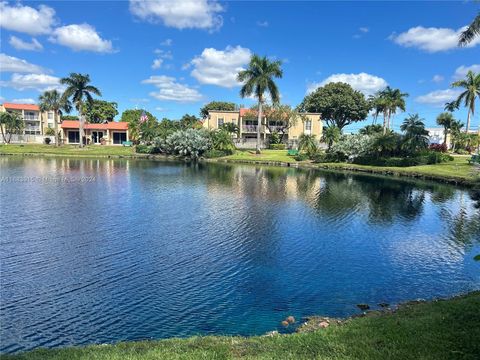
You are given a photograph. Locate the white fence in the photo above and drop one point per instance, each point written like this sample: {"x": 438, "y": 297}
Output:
{"x": 30, "y": 139}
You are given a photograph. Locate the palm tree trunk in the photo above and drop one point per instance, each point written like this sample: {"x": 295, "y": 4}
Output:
{"x": 445, "y": 133}
{"x": 55, "y": 126}
{"x": 3, "y": 134}
{"x": 384, "y": 123}
{"x": 80, "y": 123}
{"x": 258, "y": 125}
{"x": 468, "y": 121}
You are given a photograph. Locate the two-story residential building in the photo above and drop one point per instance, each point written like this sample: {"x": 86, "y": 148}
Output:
{"x": 35, "y": 121}
{"x": 247, "y": 122}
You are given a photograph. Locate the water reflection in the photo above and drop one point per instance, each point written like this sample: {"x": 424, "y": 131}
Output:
{"x": 153, "y": 249}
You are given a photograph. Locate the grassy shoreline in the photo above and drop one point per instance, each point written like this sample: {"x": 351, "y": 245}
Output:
{"x": 457, "y": 172}
{"x": 438, "y": 329}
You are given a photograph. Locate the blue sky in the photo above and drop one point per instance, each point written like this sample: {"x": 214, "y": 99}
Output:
{"x": 171, "y": 57}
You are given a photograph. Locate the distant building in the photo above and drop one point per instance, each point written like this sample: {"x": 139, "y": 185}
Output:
{"x": 247, "y": 122}
{"x": 36, "y": 121}
{"x": 437, "y": 136}
{"x": 108, "y": 133}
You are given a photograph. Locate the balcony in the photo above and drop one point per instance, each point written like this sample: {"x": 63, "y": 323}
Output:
{"x": 249, "y": 128}
{"x": 275, "y": 128}
{"x": 31, "y": 118}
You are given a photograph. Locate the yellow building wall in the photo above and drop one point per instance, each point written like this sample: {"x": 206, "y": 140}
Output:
{"x": 211, "y": 122}
{"x": 297, "y": 130}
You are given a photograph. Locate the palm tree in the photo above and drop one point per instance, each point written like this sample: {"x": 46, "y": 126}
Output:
{"x": 446, "y": 120}
{"x": 53, "y": 101}
{"x": 415, "y": 133}
{"x": 471, "y": 84}
{"x": 307, "y": 143}
{"x": 10, "y": 123}
{"x": 371, "y": 130}
{"x": 377, "y": 104}
{"x": 392, "y": 101}
{"x": 472, "y": 31}
{"x": 331, "y": 134}
{"x": 455, "y": 129}
{"x": 257, "y": 80}
{"x": 451, "y": 106}
{"x": 78, "y": 89}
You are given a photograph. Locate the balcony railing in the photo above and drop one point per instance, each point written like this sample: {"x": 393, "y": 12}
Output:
{"x": 275, "y": 128}
{"x": 31, "y": 118}
{"x": 249, "y": 128}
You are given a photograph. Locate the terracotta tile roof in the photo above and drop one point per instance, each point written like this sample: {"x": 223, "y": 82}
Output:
{"x": 112, "y": 125}
{"x": 13, "y": 106}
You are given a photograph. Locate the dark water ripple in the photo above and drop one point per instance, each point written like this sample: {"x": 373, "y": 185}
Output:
{"x": 154, "y": 250}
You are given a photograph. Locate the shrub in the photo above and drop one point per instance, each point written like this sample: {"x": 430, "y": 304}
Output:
{"x": 48, "y": 141}
{"x": 146, "y": 149}
{"x": 426, "y": 158}
{"x": 190, "y": 142}
{"x": 277, "y": 146}
{"x": 222, "y": 140}
{"x": 438, "y": 147}
{"x": 353, "y": 145}
{"x": 301, "y": 157}
{"x": 329, "y": 157}
{"x": 213, "y": 153}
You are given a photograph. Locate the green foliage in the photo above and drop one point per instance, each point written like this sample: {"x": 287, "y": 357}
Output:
{"x": 54, "y": 101}
{"x": 10, "y": 123}
{"x": 79, "y": 89}
{"x": 50, "y": 132}
{"x": 275, "y": 139}
{"x": 339, "y": 104}
{"x": 331, "y": 134}
{"x": 68, "y": 117}
{"x": 387, "y": 102}
{"x": 212, "y": 153}
{"x": 371, "y": 130}
{"x": 216, "y": 105}
{"x": 301, "y": 157}
{"x": 416, "y": 137}
{"x": 427, "y": 158}
{"x": 230, "y": 128}
{"x": 471, "y": 86}
{"x": 329, "y": 157}
{"x": 307, "y": 143}
{"x": 446, "y": 120}
{"x": 190, "y": 122}
{"x": 386, "y": 145}
{"x": 97, "y": 111}
{"x": 145, "y": 131}
{"x": 221, "y": 140}
{"x": 146, "y": 149}
{"x": 277, "y": 146}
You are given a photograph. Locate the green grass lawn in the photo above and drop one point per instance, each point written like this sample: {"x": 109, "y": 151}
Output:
{"x": 447, "y": 329}
{"x": 91, "y": 150}
{"x": 265, "y": 156}
{"x": 459, "y": 169}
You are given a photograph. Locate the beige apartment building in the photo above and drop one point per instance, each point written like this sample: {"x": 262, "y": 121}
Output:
{"x": 310, "y": 124}
{"x": 36, "y": 121}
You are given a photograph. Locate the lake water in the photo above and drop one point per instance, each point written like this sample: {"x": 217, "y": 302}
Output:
{"x": 98, "y": 251}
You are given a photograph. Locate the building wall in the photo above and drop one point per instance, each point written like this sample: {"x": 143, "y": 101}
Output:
{"x": 212, "y": 122}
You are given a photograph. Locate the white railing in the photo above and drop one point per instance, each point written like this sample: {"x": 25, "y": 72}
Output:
{"x": 31, "y": 118}
{"x": 249, "y": 128}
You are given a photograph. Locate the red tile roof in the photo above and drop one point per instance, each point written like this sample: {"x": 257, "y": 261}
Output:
{"x": 112, "y": 125}
{"x": 21, "y": 106}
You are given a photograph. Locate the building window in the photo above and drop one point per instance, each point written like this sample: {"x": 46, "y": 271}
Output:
{"x": 308, "y": 125}
{"x": 50, "y": 125}
{"x": 73, "y": 137}
{"x": 119, "y": 138}
{"x": 50, "y": 115}
{"x": 220, "y": 122}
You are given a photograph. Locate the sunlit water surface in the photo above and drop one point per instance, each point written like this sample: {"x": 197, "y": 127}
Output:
{"x": 98, "y": 251}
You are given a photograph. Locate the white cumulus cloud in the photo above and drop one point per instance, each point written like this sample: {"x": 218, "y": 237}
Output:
{"x": 438, "y": 78}
{"x": 366, "y": 83}
{"x": 20, "y": 44}
{"x": 171, "y": 90}
{"x": 462, "y": 71}
{"x": 220, "y": 67}
{"x": 184, "y": 14}
{"x": 13, "y": 64}
{"x": 157, "y": 63}
{"x": 81, "y": 37}
{"x": 24, "y": 101}
{"x": 438, "y": 98}
{"x": 40, "y": 82}
{"x": 431, "y": 39}
{"x": 27, "y": 19}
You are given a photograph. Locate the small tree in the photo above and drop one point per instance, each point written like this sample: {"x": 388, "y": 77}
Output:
{"x": 10, "y": 123}
{"x": 221, "y": 140}
{"x": 190, "y": 122}
{"x": 339, "y": 104}
{"x": 308, "y": 143}
{"x": 135, "y": 127}
{"x": 446, "y": 120}
{"x": 98, "y": 111}
{"x": 54, "y": 101}
{"x": 330, "y": 135}
{"x": 375, "y": 129}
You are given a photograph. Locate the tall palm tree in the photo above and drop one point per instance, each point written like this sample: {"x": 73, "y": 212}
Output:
{"x": 392, "y": 100}
{"x": 471, "y": 84}
{"x": 446, "y": 120}
{"x": 54, "y": 101}
{"x": 472, "y": 31}
{"x": 79, "y": 90}
{"x": 377, "y": 103}
{"x": 451, "y": 106}
{"x": 257, "y": 79}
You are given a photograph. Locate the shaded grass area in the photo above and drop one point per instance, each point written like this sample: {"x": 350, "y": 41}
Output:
{"x": 444, "y": 329}
{"x": 91, "y": 150}
{"x": 265, "y": 156}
